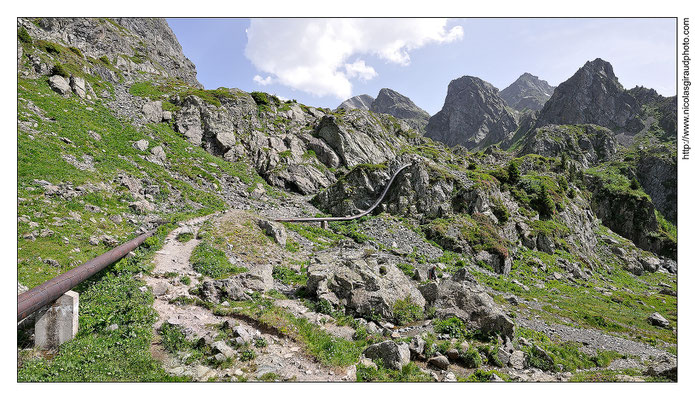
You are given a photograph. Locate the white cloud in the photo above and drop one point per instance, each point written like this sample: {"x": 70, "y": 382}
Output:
{"x": 361, "y": 70}
{"x": 312, "y": 54}
{"x": 263, "y": 81}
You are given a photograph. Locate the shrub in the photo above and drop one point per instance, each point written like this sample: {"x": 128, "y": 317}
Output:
{"x": 260, "y": 343}
{"x": 471, "y": 358}
{"x": 184, "y": 237}
{"x": 546, "y": 205}
{"x": 23, "y": 35}
{"x": 404, "y": 311}
{"x": 59, "y": 69}
{"x": 260, "y": 98}
{"x": 634, "y": 184}
{"x": 76, "y": 51}
{"x": 105, "y": 60}
{"x": 514, "y": 173}
{"x": 407, "y": 269}
{"x": 247, "y": 355}
{"x": 48, "y": 47}
{"x": 453, "y": 326}
{"x": 500, "y": 211}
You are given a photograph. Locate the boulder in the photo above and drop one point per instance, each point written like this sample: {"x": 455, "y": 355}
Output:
{"x": 152, "y": 111}
{"x": 439, "y": 362}
{"x": 393, "y": 355}
{"x": 59, "y": 85}
{"x": 78, "y": 86}
{"x": 258, "y": 278}
{"x": 417, "y": 347}
{"x": 365, "y": 285}
{"x": 141, "y": 144}
{"x": 274, "y": 230}
{"x": 664, "y": 367}
{"x": 657, "y": 319}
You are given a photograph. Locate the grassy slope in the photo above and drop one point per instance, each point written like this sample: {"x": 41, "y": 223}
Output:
{"x": 114, "y": 298}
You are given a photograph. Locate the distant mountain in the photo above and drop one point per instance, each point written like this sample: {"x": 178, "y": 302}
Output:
{"x": 474, "y": 115}
{"x": 393, "y": 103}
{"x": 528, "y": 92}
{"x": 593, "y": 95}
{"x": 361, "y": 102}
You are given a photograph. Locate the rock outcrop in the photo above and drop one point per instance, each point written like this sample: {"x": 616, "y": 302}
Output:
{"x": 393, "y": 103}
{"x": 528, "y": 92}
{"x": 593, "y": 95}
{"x": 474, "y": 115}
{"x": 586, "y": 144}
{"x": 132, "y": 45}
{"x": 361, "y": 102}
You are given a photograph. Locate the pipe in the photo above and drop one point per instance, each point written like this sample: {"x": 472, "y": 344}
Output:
{"x": 362, "y": 214}
{"x": 49, "y": 291}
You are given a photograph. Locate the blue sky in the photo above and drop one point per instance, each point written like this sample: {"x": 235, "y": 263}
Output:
{"x": 320, "y": 62}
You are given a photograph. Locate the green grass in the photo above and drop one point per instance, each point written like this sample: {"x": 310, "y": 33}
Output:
{"x": 406, "y": 311}
{"x": 409, "y": 373}
{"x": 289, "y": 276}
{"x": 212, "y": 262}
{"x": 100, "y": 355}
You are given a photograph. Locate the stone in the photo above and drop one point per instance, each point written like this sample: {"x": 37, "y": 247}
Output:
{"x": 394, "y": 355}
{"x": 664, "y": 367}
{"x": 657, "y": 319}
{"x": 59, "y": 85}
{"x": 160, "y": 288}
{"x": 141, "y": 206}
{"x": 112, "y": 327}
{"x": 417, "y": 347}
{"x": 246, "y": 335}
{"x": 452, "y": 354}
{"x": 141, "y": 144}
{"x": 158, "y": 153}
{"x": 222, "y": 348}
{"x": 78, "y": 86}
{"x": 518, "y": 359}
{"x": 57, "y": 323}
{"x": 166, "y": 115}
{"x": 274, "y": 230}
{"x": 439, "y": 362}
{"x": 152, "y": 111}
{"x": 449, "y": 377}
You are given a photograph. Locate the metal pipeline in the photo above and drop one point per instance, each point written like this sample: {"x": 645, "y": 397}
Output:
{"x": 362, "y": 214}
{"x": 49, "y": 291}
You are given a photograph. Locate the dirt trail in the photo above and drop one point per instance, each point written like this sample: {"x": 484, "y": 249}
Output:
{"x": 281, "y": 356}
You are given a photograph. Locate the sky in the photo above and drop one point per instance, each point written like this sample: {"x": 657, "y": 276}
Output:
{"x": 321, "y": 62}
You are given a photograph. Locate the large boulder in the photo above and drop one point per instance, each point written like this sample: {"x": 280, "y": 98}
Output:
{"x": 393, "y": 355}
{"x": 59, "y": 85}
{"x": 364, "y": 285}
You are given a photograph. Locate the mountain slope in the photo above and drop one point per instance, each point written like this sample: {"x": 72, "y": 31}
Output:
{"x": 393, "y": 103}
{"x": 473, "y": 115}
{"x": 361, "y": 102}
{"x": 528, "y": 92}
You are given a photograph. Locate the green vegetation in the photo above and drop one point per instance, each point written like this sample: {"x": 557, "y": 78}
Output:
{"x": 289, "y": 276}
{"x": 23, "y": 36}
{"x": 453, "y": 327}
{"x": 409, "y": 373}
{"x": 184, "y": 237}
{"x": 59, "y": 69}
{"x": 405, "y": 311}
{"x": 212, "y": 262}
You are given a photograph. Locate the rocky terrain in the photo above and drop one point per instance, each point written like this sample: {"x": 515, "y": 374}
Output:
{"x": 528, "y": 92}
{"x": 527, "y": 244}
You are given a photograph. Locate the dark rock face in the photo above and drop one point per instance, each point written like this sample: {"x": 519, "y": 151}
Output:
{"x": 528, "y": 92}
{"x": 665, "y": 107}
{"x": 474, "y": 115}
{"x": 393, "y": 103}
{"x": 133, "y": 45}
{"x": 361, "y": 102}
{"x": 657, "y": 171}
{"x": 593, "y": 95}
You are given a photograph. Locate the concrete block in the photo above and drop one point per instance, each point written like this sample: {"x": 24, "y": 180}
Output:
{"x": 57, "y": 323}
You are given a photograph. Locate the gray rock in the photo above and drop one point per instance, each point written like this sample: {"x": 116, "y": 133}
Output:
{"x": 518, "y": 359}
{"x": 394, "y": 355}
{"x": 657, "y": 319}
{"x": 439, "y": 362}
{"x": 364, "y": 285}
{"x": 141, "y": 144}
{"x": 361, "y": 102}
{"x": 452, "y": 354}
{"x": 161, "y": 288}
{"x": 244, "y": 334}
{"x": 417, "y": 347}
{"x": 222, "y": 348}
{"x": 141, "y": 206}
{"x": 158, "y": 153}
{"x": 473, "y": 115}
{"x": 78, "y": 86}
{"x": 528, "y": 92}
{"x": 258, "y": 278}
{"x": 59, "y": 85}
{"x": 393, "y": 103}
{"x": 274, "y": 230}
{"x": 166, "y": 116}
{"x": 664, "y": 367}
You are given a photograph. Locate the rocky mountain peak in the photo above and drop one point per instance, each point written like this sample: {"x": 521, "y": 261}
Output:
{"x": 361, "y": 102}
{"x": 593, "y": 95}
{"x": 473, "y": 115}
{"x": 528, "y": 92}
{"x": 393, "y": 103}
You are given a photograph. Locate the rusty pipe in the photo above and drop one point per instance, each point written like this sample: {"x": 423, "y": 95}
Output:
{"x": 349, "y": 218}
{"x": 49, "y": 291}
